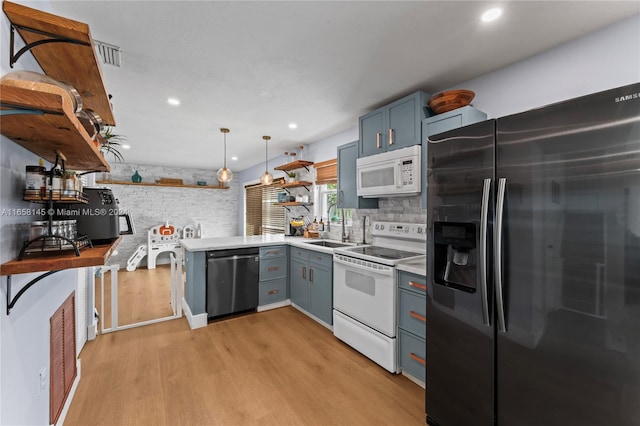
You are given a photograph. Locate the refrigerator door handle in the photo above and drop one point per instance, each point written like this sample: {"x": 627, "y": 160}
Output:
{"x": 497, "y": 254}
{"x": 486, "y": 191}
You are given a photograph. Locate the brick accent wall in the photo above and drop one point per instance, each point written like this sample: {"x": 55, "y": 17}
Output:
{"x": 216, "y": 210}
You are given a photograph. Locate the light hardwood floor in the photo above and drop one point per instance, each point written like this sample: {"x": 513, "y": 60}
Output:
{"x": 275, "y": 367}
{"x": 143, "y": 294}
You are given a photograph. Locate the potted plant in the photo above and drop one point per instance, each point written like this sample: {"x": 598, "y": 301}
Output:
{"x": 110, "y": 143}
{"x": 291, "y": 177}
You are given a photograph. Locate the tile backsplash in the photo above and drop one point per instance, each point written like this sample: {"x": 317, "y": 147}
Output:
{"x": 396, "y": 209}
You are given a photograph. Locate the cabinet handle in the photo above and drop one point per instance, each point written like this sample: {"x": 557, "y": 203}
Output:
{"x": 390, "y": 136}
{"x": 273, "y": 268}
{"x": 310, "y": 275}
{"x": 417, "y": 285}
{"x": 273, "y": 292}
{"x": 416, "y": 358}
{"x": 378, "y": 135}
{"x": 304, "y": 272}
{"x": 273, "y": 252}
{"x": 418, "y": 316}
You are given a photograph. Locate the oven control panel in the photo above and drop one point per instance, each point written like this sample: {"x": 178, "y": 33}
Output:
{"x": 400, "y": 230}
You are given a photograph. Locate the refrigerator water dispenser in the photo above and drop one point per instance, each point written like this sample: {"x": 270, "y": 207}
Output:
{"x": 455, "y": 255}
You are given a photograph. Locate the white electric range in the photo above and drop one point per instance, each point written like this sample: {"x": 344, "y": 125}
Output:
{"x": 365, "y": 289}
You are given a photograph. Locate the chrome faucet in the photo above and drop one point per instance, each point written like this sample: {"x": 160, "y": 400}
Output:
{"x": 328, "y": 227}
{"x": 345, "y": 236}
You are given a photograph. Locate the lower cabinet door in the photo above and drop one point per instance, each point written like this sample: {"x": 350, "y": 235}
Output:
{"x": 272, "y": 291}
{"x": 413, "y": 354}
{"x": 299, "y": 284}
{"x": 321, "y": 292}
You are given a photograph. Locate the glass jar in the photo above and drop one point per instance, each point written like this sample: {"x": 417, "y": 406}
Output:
{"x": 36, "y": 179}
{"x": 70, "y": 183}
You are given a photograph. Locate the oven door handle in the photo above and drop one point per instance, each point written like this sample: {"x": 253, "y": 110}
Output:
{"x": 385, "y": 272}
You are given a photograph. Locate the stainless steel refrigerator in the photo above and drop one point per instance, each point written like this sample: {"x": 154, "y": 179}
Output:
{"x": 533, "y": 307}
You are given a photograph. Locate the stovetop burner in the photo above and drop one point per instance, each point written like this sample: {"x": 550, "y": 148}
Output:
{"x": 383, "y": 252}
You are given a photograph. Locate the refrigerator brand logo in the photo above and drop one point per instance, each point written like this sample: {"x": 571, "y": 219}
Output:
{"x": 628, "y": 97}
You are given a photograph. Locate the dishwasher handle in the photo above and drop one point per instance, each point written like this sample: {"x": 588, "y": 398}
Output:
{"x": 230, "y": 253}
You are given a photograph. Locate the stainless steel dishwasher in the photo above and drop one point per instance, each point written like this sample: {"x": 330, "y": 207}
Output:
{"x": 232, "y": 281}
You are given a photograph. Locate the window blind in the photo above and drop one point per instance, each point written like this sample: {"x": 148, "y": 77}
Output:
{"x": 262, "y": 216}
{"x": 326, "y": 171}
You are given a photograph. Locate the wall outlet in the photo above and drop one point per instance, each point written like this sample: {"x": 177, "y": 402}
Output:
{"x": 367, "y": 220}
{"x": 42, "y": 376}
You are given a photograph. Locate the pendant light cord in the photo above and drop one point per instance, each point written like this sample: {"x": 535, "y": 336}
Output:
{"x": 266, "y": 157}
{"x": 225, "y": 150}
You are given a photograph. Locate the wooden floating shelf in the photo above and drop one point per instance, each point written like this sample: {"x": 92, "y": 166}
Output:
{"x": 52, "y": 261}
{"x": 293, "y": 204}
{"x": 298, "y": 164}
{"x": 56, "y": 129}
{"x": 109, "y": 182}
{"x": 293, "y": 184}
{"x": 75, "y": 64}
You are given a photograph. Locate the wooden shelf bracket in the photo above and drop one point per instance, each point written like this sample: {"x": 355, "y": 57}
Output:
{"x": 11, "y": 302}
{"x": 53, "y": 38}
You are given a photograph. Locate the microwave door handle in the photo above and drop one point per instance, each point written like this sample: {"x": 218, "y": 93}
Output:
{"x": 399, "y": 174}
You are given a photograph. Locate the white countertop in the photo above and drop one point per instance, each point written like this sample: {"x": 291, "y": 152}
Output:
{"x": 223, "y": 243}
{"x": 418, "y": 266}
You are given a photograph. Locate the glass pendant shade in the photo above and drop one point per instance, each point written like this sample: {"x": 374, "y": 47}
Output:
{"x": 266, "y": 178}
{"x": 224, "y": 174}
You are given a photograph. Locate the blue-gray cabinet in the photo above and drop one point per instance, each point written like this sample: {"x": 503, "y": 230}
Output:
{"x": 311, "y": 282}
{"x": 446, "y": 121}
{"x": 195, "y": 282}
{"x": 273, "y": 275}
{"x": 393, "y": 126}
{"x": 412, "y": 324}
{"x": 347, "y": 180}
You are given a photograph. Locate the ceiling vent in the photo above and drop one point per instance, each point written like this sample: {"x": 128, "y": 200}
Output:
{"x": 110, "y": 54}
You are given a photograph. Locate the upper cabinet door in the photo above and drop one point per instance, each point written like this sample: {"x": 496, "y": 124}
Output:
{"x": 404, "y": 122}
{"x": 372, "y": 133}
{"x": 393, "y": 126}
{"x": 347, "y": 180}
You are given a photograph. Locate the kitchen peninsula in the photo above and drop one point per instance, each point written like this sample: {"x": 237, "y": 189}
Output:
{"x": 274, "y": 272}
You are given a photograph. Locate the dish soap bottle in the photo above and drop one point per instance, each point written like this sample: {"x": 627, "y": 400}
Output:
{"x": 314, "y": 225}
{"x": 321, "y": 225}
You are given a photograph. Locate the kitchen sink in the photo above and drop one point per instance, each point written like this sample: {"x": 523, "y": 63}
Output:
{"x": 332, "y": 244}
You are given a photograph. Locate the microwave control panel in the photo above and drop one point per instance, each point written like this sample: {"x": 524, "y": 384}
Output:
{"x": 407, "y": 172}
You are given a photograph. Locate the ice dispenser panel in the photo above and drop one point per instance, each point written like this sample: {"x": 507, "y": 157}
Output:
{"x": 455, "y": 255}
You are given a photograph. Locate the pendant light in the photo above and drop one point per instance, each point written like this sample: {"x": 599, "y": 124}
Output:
{"x": 224, "y": 174}
{"x": 266, "y": 178}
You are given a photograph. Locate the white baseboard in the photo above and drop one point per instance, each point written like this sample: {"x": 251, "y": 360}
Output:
{"x": 195, "y": 321}
{"x": 414, "y": 379}
{"x": 274, "y": 305}
{"x": 313, "y": 317}
{"x": 72, "y": 392}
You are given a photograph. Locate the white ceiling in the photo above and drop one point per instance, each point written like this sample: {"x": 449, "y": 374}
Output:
{"x": 254, "y": 67}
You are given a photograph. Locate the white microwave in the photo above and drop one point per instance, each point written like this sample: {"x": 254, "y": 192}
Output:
{"x": 390, "y": 174}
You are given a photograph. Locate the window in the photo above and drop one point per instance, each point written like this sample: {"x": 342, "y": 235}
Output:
{"x": 327, "y": 205}
{"x": 262, "y": 216}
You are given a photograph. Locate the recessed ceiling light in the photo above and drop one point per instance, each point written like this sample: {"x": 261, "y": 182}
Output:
{"x": 125, "y": 146}
{"x": 491, "y": 14}
{"x": 234, "y": 158}
{"x": 293, "y": 126}
{"x": 173, "y": 101}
